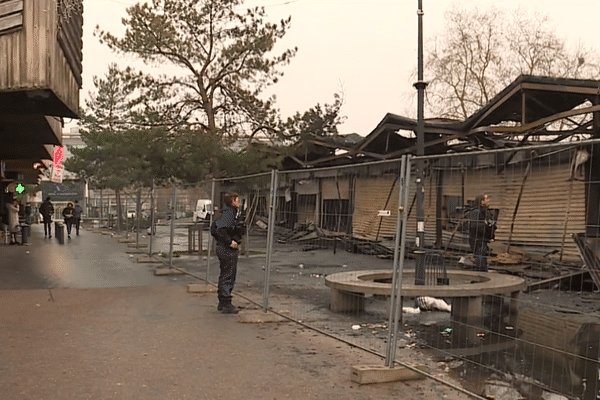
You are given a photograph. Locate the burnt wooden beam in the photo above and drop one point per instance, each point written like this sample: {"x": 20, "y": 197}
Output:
{"x": 520, "y": 130}
{"x": 593, "y": 185}
{"x": 552, "y": 110}
{"x": 548, "y": 283}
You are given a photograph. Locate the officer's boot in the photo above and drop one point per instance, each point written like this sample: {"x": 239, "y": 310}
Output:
{"x": 226, "y": 307}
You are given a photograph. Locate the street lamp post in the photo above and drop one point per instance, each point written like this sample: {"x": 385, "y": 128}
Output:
{"x": 420, "y": 85}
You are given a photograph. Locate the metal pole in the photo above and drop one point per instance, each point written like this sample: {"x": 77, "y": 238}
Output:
{"x": 126, "y": 217}
{"x": 101, "y": 208}
{"x": 210, "y": 238}
{"x": 151, "y": 219}
{"x": 420, "y": 194}
{"x": 174, "y": 200}
{"x": 398, "y": 269}
{"x": 270, "y": 233}
{"x": 138, "y": 211}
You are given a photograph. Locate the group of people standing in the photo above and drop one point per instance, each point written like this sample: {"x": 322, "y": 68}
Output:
{"x": 71, "y": 215}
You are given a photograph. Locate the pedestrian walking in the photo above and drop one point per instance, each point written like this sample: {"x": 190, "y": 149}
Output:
{"x": 13, "y": 221}
{"x": 228, "y": 231}
{"x": 47, "y": 211}
{"x": 77, "y": 216}
{"x": 69, "y": 216}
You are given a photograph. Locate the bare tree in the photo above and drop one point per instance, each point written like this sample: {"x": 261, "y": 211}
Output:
{"x": 481, "y": 51}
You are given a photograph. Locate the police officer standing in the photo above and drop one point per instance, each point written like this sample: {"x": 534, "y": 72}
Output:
{"x": 228, "y": 234}
{"x": 482, "y": 228}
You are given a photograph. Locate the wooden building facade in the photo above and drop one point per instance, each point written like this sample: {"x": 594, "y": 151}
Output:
{"x": 541, "y": 202}
{"x": 40, "y": 76}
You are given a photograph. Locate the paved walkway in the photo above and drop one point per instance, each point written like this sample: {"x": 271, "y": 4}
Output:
{"x": 89, "y": 260}
{"x": 122, "y": 333}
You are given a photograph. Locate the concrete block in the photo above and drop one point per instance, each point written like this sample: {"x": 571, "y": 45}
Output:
{"x": 168, "y": 271}
{"x": 201, "y": 288}
{"x": 259, "y": 317}
{"x": 137, "y": 246}
{"x": 148, "y": 260}
{"x": 364, "y": 374}
{"x": 342, "y": 301}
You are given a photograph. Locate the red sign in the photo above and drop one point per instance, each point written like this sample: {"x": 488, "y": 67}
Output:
{"x": 57, "y": 168}
{"x": 59, "y": 155}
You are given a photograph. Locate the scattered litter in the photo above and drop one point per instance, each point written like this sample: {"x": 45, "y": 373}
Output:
{"x": 446, "y": 332}
{"x": 499, "y": 390}
{"x": 467, "y": 262}
{"x": 37, "y": 305}
{"x": 411, "y": 310}
{"x": 316, "y": 275}
{"x": 426, "y": 303}
{"x": 344, "y": 266}
{"x": 553, "y": 396}
{"x": 455, "y": 364}
{"x": 301, "y": 266}
{"x": 355, "y": 327}
{"x": 377, "y": 326}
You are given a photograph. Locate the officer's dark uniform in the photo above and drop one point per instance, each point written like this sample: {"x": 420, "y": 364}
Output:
{"x": 228, "y": 229}
{"x": 481, "y": 231}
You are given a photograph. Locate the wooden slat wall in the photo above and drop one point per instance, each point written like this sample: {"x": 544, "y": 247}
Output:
{"x": 306, "y": 212}
{"x": 11, "y": 14}
{"x": 546, "y": 207}
{"x": 333, "y": 189}
{"x": 31, "y": 58}
{"x": 10, "y": 59}
{"x": 70, "y": 29}
{"x": 370, "y": 195}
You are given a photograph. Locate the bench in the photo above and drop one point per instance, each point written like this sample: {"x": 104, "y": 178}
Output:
{"x": 466, "y": 290}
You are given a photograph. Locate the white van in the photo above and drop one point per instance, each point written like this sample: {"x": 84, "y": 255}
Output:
{"x": 203, "y": 210}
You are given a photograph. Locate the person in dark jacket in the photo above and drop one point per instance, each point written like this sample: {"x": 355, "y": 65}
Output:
{"x": 47, "y": 210}
{"x": 481, "y": 232}
{"x": 78, "y": 212}
{"x": 229, "y": 231}
{"x": 69, "y": 216}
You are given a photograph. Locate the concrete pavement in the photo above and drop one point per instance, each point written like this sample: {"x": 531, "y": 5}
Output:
{"x": 116, "y": 331}
{"x": 89, "y": 260}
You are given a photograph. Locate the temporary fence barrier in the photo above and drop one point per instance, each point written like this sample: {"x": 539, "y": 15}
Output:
{"x": 334, "y": 249}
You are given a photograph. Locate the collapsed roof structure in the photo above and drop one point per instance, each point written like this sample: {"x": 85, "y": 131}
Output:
{"x": 531, "y": 110}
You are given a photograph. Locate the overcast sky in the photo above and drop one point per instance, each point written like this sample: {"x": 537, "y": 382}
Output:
{"x": 367, "y": 48}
